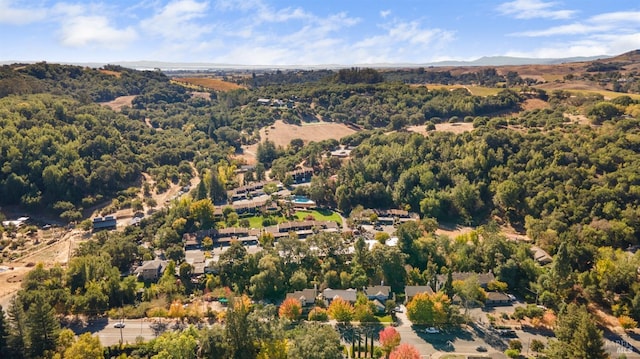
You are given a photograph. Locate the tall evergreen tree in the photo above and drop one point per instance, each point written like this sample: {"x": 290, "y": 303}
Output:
{"x": 17, "y": 342}
{"x": 3, "y": 334}
{"x": 43, "y": 327}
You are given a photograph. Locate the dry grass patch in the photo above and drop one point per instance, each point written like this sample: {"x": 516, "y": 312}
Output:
{"x": 119, "y": 102}
{"x": 282, "y": 133}
{"x": 534, "y": 104}
{"x": 458, "y": 127}
{"x": 112, "y": 73}
{"x": 207, "y": 83}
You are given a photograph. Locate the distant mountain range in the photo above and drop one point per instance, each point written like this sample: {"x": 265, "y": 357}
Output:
{"x": 201, "y": 66}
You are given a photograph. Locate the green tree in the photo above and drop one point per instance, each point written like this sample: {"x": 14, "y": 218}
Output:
{"x": 577, "y": 334}
{"x": 4, "y": 333}
{"x": 429, "y": 309}
{"x": 239, "y": 333}
{"x": 269, "y": 282}
{"x": 87, "y": 346}
{"x": 315, "y": 341}
{"x": 176, "y": 345}
{"x": 18, "y": 340}
{"x": 43, "y": 327}
{"x": 202, "y": 211}
{"x": 213, "y": 343}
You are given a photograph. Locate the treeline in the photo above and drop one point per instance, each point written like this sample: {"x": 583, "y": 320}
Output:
{"x": 59, "y": 153}
{"x": 485, "y": 77}
{"x": 81, "y": 83}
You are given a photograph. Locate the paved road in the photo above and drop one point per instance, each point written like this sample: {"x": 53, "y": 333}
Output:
{"x": 459, "y": 341}
{"x": 133, "y": 328}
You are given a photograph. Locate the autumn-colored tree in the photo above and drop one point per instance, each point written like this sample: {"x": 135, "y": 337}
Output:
{"x": 318, "y": 314}
{"x": 176, "y": 310}
{"x": 291, "y": 309}
{"x": 429, "y": 309}
{"x": 405, "y": 351}
{"x": 341, "y": 310}
{"x": 389, "y": 339}
{"x": 626, "y": 322}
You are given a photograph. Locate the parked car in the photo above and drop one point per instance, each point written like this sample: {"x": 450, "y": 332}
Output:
{"x": 119, "y": 325}
{"x": 508, "y": 333}
{"x": 431, "y": 330}
{"x": 481, "y": 348}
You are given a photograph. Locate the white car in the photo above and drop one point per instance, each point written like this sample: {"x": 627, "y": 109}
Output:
{"x": 119, "y": 325}
{"x": 431, "y": 330}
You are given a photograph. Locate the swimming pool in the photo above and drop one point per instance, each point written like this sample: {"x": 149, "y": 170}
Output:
{"x": 302, "y": 200}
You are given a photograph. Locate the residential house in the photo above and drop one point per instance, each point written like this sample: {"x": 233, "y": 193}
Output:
{"x": 104, "y": 223}
{"x": 497, "y": 299}
{"x": 410, "y": 291}
{"x": 349, "y": 295}
{"x": 381, "y": 293}
{"x": 151, "y": 270}
{"x": 307, "y": 297}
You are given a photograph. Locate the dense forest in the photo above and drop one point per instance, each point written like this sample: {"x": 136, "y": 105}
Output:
{"x": 570, "y": 186}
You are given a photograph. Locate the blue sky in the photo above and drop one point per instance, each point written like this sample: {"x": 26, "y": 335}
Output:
{"x": 313, "y": 32}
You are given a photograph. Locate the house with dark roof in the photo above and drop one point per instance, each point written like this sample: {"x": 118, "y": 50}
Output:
{"x": 381, "y": 293}
{"x": 349, "y": 295}
{"x": 104, "y": 223}
{"x": 151, "y": 270}
{"x": 307, "y": 297}
{"x": 497, "y": 299}
{"x": 410, "y": 291}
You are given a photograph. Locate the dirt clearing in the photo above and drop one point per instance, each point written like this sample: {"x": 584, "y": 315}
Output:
{"x": 282, "y": 133}
{"x": 458, "y": 127}
{"x": 119, "y": 102}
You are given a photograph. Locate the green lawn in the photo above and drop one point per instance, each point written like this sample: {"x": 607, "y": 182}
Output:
{"x": 318, "y": 215}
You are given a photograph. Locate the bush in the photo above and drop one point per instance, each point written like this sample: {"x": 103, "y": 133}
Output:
{"x": 512, "y": 353}
{"x": 318, "y": 314}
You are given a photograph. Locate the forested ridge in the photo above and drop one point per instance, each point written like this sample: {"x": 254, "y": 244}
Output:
{"x": 570, "y": 185}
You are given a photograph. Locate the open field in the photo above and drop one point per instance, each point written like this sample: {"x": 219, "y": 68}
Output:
{"x": 119, "y": 102}
{"x": 458, "y": 127}
{"x": 282, "y": 133}
{"x": 608, "y": 95}
{"x": 474, "y": 90}
{"x": 207, "y": 82}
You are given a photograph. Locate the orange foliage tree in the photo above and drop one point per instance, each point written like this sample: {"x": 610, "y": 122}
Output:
{"x": 405, "y": 351}
{"x": 389, "y": 339}
{"x": 291, "y": 309}
{"x": 341, "y": 310}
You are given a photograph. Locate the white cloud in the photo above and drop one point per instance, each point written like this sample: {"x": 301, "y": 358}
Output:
{"x": 403, "y": 41}
{"x": 531, "y": 9}
{"x": 570, "y": 29}
{"x": 177, "y": 21}
{"x": 81, "y": 31}
{"x": 622, "y": 22}
{"x": 19, "y": 16}
{"x": 618, "y": 17}
{"x": 385, "y": 13}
